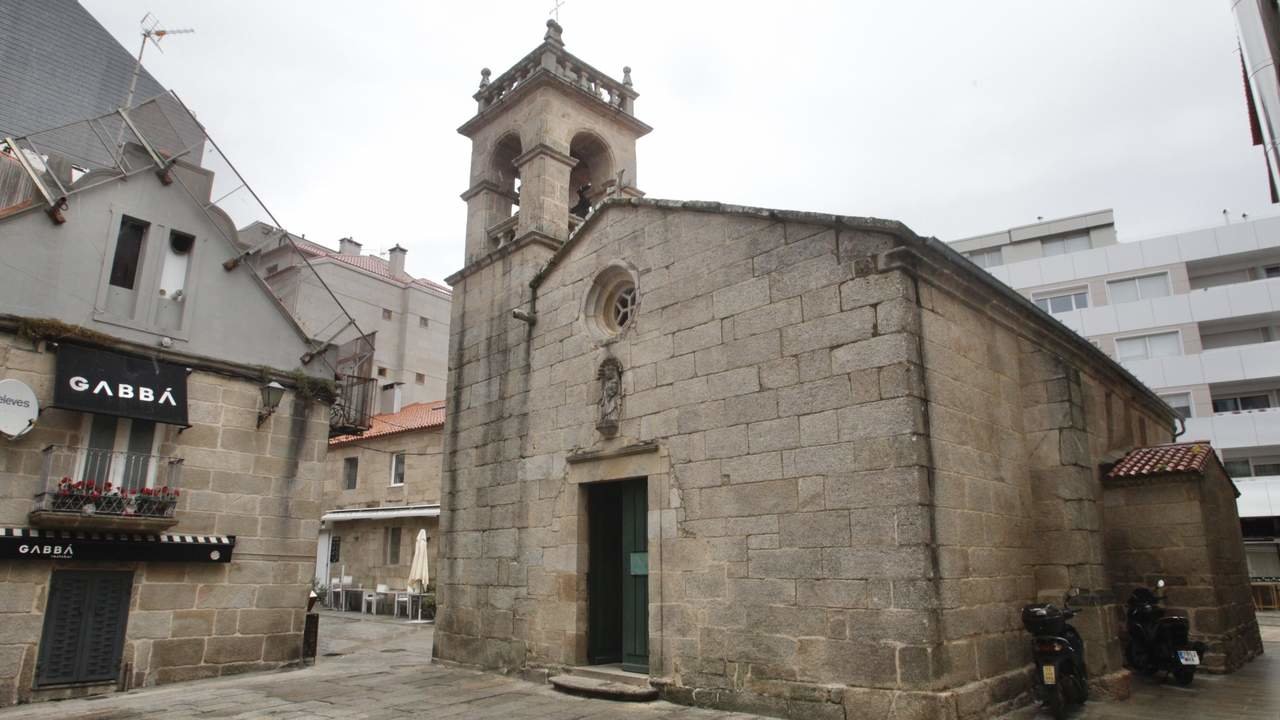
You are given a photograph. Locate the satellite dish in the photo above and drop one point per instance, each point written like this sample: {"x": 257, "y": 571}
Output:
{"x": 18, "y": 408}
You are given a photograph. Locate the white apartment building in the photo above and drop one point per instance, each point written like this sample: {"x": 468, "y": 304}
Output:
{"x": 1195, "y": 316}
{"x": 406, "y": 318}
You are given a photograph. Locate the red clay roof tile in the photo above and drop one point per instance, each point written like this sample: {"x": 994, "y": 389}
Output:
{"x": 417, "y": 416}
{"x": 1192, "y": 457}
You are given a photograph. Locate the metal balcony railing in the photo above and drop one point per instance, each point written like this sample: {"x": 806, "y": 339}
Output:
{"x": 352, "y": 410}
{"x": 92, "y": 482}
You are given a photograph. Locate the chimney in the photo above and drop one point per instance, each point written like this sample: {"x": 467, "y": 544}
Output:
{"x": 396, "y": 256}
{"x": 347, "y": 246}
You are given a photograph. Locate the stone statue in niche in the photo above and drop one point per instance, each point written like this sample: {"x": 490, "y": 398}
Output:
{"x": 610, "y": 377}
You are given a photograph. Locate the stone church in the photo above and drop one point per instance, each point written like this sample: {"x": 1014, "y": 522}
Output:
{"x": 801, "y": 464}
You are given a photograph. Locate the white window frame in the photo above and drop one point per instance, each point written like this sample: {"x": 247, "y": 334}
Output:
{"x": 1191, "y": 406}
{"x": 119, "y": 447}
{"x": 403, "y": 457}
{"x": 1269, "y": 395}
{"x": 1116, "y": 344}
{"x": 1168, "y": 280}
{"x": 973, "y": 254}
{"x": 1049, "y": 295}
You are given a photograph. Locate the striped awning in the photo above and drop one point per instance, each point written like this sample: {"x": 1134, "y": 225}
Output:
{"x": 36, "y": 544}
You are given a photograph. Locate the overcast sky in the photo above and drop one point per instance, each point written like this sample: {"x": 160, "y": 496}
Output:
{"x": 956, "y": 118}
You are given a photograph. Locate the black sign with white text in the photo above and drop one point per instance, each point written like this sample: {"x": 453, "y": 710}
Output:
{"x": 107, "y": 383}
{"x": 30, "y": 544}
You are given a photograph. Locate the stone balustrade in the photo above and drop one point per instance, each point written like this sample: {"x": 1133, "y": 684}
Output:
{"x": 564, "y": 66}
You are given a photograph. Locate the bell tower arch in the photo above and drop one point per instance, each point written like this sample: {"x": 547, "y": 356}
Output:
{"x": 552, "y": 134}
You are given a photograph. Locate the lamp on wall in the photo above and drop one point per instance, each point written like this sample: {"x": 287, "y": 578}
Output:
{"x": 272, "y": 393}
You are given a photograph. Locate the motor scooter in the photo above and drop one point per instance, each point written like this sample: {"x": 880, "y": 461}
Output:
{"x": 1158, "y": 641}
{"x": 1062, "y": 678}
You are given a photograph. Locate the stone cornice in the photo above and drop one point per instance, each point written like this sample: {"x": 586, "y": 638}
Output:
{"x": 531, "y": 237}
{"x": 490, "y": 186}
{"x": 625, "y": 450}
{"x": 540, "y": 150}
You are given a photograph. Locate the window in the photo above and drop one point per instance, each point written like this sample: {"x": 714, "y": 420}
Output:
{"x": 1063, "y": 301}
{"x": 173, "y": 276}
{"x": 397, "y": 469}
{"x": 1145, "y": 347}
{"x": 118, "y": 451}
{"x": 1241, "y": 402}
{"x": 272, "y": 269}
{"x": 1064, "y": 245}
{"x": 335, "y": 548}
{"x": 1262, "y": 469}
{"x": 986, "y": 258}
{"x": 1181, "y": 404}
{"x": 420, "y": 378}
{"x": 386, "y": 314}
{"x": 1138, "y": 288}
{"x": 1235, "y": 337}
{"x": 382, "y": 372}
{"x": 423, "y": 322}
{"x": 393, "y": 545}
{"x": 1271, "y": 271}
{"x": 350, "y": 471}
{"x": 1238, "y": 468}
{"x": 124, "y": 267}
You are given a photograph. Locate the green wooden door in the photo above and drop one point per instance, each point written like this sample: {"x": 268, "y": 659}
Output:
{"x": 635, "y": 576}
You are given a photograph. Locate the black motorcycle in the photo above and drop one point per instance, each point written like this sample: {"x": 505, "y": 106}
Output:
{"x": 1058, "y": 650}
{"x": 1158, "y": 641}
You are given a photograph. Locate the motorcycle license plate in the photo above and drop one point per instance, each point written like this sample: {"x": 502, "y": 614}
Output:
{"x": 1050, "y": 676}
{"x": 1188, "y": 657}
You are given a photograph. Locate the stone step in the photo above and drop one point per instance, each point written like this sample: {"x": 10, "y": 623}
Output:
{"x": 603, "y": 689}
{"x": 612, "y": 673}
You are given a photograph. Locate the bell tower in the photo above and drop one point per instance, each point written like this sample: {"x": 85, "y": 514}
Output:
{"x": 551, "y": 138}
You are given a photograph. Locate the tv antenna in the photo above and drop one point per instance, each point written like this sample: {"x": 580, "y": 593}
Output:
{"x": 153, "y": 32}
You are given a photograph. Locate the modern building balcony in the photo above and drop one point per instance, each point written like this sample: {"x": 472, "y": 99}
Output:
{"x": 1126, "y": 257}
{"x": 91, "y": 489}
{"x": 1230, "y": 364}
{"x": 1259, "y": 496}
{"x": 1216, "y": 303}
{"x": 1246, "y": 428}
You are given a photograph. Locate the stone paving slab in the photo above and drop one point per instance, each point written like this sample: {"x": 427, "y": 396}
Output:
{"x": 364, "y": 680}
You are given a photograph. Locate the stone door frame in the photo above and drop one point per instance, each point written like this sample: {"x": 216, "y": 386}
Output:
{"x": 625, "y": 462}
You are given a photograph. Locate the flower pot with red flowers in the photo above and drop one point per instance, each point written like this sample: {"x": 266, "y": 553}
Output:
{"x": 156, "y": 502}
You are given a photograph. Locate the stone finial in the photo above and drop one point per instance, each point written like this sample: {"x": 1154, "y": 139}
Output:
{"x": 553, "y": 33}
{"x": 626, "y": 75}
{"x": 484, "y": 77}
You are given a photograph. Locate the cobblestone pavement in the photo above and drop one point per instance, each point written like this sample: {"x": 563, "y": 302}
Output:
{"x": 380, "y": 669}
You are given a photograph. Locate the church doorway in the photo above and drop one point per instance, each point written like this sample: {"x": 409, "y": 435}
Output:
{"x": 618, "y": 574}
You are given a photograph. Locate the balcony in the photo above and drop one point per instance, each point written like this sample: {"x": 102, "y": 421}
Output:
{"x": 1220, "y": 365}
{"x": 1247, "y": 428}
{"x": 93, "y": 489}
{"x": 352, "y": 409}
{"x": 1259, "y": 496}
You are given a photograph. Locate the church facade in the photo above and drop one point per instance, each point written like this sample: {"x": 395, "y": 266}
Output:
{"x": 794, "y": 463}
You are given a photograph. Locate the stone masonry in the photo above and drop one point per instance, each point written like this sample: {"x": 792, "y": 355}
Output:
{"x": 186, "y": 620}
{"x": 859, "y": 473}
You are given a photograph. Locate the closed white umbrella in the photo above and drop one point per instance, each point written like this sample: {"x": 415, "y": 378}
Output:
{"x": 420, "y": 570}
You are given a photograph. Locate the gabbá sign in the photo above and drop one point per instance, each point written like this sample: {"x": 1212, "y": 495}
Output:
{"x": 99, "y": 381}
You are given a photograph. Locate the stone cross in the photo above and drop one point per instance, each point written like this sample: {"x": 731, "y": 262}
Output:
{"x": 556, "y": 10}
